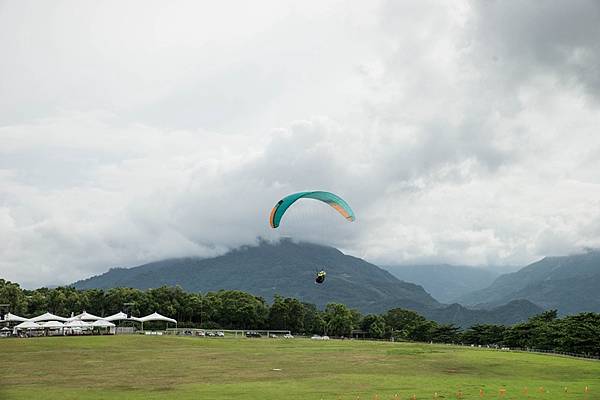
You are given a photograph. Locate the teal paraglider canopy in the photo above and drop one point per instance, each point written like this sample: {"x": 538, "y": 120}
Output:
{"x": 333, "y": 200}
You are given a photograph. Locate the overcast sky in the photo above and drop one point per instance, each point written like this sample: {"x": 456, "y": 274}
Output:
{"x": 132, "y": 131}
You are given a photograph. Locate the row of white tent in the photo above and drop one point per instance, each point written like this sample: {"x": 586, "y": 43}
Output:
{"x": 70, "y": 324}
{"x": 51, "y": 321}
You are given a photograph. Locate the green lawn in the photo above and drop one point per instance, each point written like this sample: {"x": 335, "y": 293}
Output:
{"x": 142, "y": 367}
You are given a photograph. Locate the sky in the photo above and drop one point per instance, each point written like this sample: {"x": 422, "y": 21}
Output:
{"x": 132, "y": 131}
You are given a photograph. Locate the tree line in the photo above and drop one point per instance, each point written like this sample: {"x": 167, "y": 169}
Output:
{"x": 234, "y": 309}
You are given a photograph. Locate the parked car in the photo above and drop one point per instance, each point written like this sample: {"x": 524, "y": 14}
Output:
{"x": 315, "y": 337}
{"x": 273, "y": 336}
{"x": 288, "y": 336}
{"x": 210, "y": 334}
{"x": 253, "y": 334}
{"x": 200, "y": 333}
{"x": 325, "y": 337}
{"x": 220, "y": 334}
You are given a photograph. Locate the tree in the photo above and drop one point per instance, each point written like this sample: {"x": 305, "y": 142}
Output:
{"x": 296, "y": 314}
{"x": 407, "y": 324}
{"x": 338, "y": 319}
{"x": 116, "y": 297}
{"x": 540, "y": 331}
{"x": 545, "y": 317}
{"x": 484, "y": 334}
{"x": 377, "y": 328}
{"x": 238, "y": 309}
{"x": 37, "y": 302}
{"x": 278, "y": 314}
{"x": 313, "y": 319}
{"x": 287, "y": 314}
{"x": 445, "y": 333}
{"x": 96, "y": 302}
{"x": 580, "y": 334}
{"x": 11, "y": 293}
{"x": 367, "y": 320}
{"x": 56, "y": 301}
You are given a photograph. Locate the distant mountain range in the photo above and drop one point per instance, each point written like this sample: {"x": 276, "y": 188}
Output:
{"x": 288, "y": 268}
{"x": 570, "y": 284}
{"x": 444, "y": 282}
{"x": 507, "y": 314}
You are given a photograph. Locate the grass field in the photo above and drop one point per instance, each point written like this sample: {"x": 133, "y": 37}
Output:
{"x": 142, "y": 367}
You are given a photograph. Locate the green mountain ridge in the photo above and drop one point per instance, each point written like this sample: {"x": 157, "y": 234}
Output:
{"x": 567, "y": 283}
{"x": 288, "y": 268}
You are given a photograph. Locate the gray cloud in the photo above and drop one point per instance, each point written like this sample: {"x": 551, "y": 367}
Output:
{"x": 460, "y": 133}
{"x": 519, "y": 40}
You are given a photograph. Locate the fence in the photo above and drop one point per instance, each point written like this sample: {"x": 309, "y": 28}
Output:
{"x": 497, "y": 348}
{"x": 226, "y": 332}
{"x": 527, "y": 350}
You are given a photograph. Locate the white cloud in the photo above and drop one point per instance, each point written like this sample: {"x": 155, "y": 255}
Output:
{"x": 133, "y": 133}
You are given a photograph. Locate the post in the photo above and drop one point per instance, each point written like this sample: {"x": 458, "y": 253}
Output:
{"x": 127, "y": 310}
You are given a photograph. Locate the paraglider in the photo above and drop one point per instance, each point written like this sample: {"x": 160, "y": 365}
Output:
{"x": 320, "y": 277}
{"x": 329, "y": 198}
{"x": 333, "y": 200}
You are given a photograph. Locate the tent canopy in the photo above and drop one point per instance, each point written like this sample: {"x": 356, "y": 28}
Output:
{"x": 121, "y": 316}
{"x": 85, "y": 316}
{"x": 48, "y": 317}
{"x": 102, "y": 323}
{"x": 28, "y": 325}
{"x": 13, "y": 318}
{"x": 52, "y": 324}
{"x": 76, "y": 323}
{"x": 157, "y": 317}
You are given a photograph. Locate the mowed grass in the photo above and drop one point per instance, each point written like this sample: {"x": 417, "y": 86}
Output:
{"x": 143, "y": 367}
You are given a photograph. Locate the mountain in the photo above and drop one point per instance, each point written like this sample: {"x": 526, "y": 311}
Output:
{"x": 286, "y": 268}
{"x": 513, "y": 312}
{"x": 445, "y": 282}
{"x": 569, "y": 284}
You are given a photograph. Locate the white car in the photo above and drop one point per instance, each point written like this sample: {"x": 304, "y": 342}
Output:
{"x": 288, "y": 336}
{"x": 315, "y": 337}
{"x": 220, "y": 334}
{"x": 325, "y": 337}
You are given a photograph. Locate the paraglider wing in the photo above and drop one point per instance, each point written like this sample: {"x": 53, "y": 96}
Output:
{"x": 327, "y": 197}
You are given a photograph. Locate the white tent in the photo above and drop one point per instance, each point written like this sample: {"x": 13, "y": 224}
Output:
{"x": 85, "y": 316}
{"x": 76, "y": 323}
{"x": 120, "y": 316}
{"x": 52, "y": 325}
{"x": 48, "y": 317}
{"x": 157, "y": 317}
{"x": 28, "y": 325}
{"x": 13, "y": 318}
{"x": 102, "y": 323}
